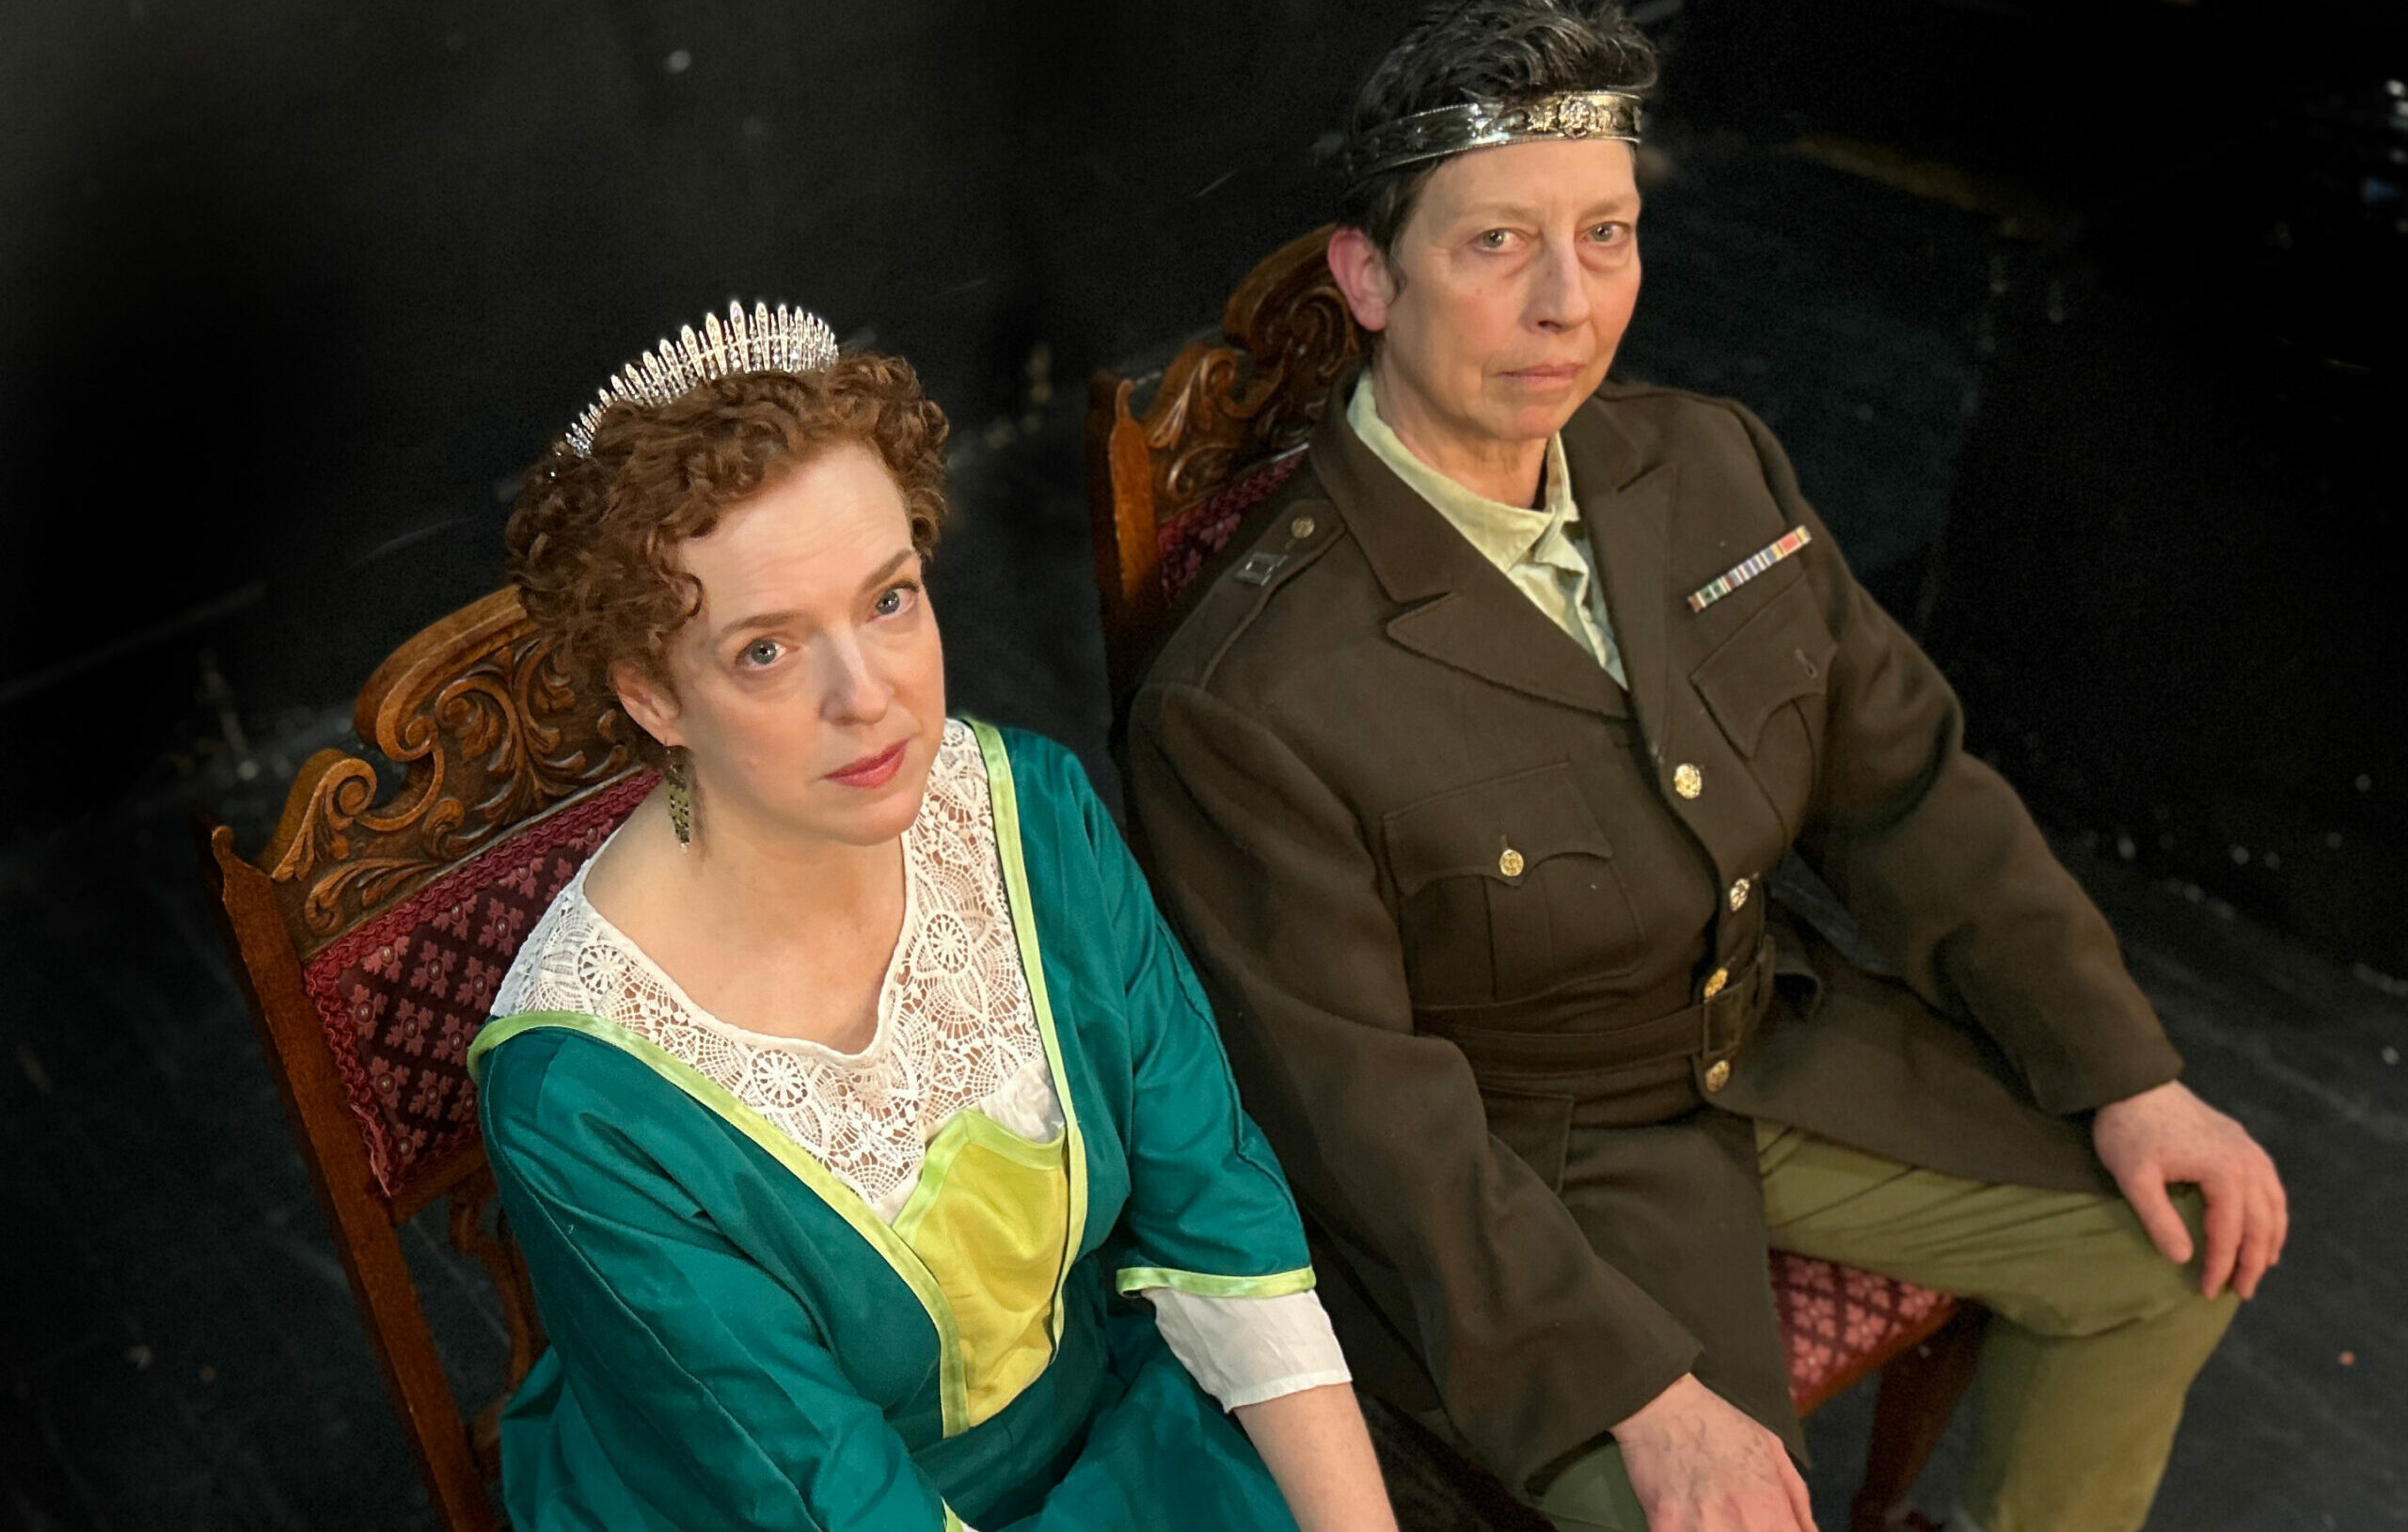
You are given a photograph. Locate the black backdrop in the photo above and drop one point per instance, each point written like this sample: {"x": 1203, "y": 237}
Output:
{"x": 293, "y": 288}
{"x": 296, "y": 289}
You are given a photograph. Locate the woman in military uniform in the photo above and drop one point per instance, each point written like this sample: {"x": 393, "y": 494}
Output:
{"x": 1463, "y": 783}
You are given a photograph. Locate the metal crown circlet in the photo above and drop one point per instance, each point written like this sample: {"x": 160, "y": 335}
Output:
{"x": 1451, "y": 130}
{"x": 782, "y": 340}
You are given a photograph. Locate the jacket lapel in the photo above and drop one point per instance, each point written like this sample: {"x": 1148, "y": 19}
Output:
{"x": 1628, "y": 511}
{"x": 1460, "y": 610}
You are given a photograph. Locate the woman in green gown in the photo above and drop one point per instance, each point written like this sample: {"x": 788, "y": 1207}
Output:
{"x": 848, "y": 1098}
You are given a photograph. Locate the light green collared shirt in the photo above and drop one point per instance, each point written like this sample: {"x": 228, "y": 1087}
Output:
{"x": 1545, "y": 551}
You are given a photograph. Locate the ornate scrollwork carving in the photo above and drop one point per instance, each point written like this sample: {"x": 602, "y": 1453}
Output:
{"x": 490, "y": 730}
{"x": 1221, "y": 408}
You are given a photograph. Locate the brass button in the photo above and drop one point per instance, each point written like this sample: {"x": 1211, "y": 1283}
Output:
{"x": 1714, "y": 980}
{"x": 1687, "y": 779}
{"x": 1509, "y": 862}
{"x": 1740, "y": 891}
{"x": 1301, "y": 528}
{"x": 1718, "y": 1074}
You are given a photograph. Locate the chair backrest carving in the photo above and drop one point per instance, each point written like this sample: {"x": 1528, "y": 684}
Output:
{"x": 490, "y": 728}
{"x": 371, "y": 937}
{"x": 1222, "y": 409}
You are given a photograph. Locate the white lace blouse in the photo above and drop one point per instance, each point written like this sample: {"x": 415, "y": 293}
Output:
{"x": 955, "y": 1030}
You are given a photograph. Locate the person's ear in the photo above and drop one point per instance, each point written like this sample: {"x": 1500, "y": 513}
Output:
{"x": 1363, "y": 277}
{"x": 651, "y": 705}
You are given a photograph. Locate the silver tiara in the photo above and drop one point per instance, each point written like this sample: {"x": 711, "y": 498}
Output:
{"x": 780, "y": 340}
{"x": 1451, "y": 130}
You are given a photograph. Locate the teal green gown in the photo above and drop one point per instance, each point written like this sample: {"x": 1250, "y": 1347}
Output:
{"x": 736, "y": 1340}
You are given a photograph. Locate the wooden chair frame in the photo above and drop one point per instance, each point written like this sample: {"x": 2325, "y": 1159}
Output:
{"x": 1226, "y": 407}
{"x": 492, "y": 738}
{"x": 1219, "y": 408}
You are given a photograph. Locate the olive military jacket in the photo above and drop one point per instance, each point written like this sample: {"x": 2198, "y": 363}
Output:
{"x": 1489, "y": 939}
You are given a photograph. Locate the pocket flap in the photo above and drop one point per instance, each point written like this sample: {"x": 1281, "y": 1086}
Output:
{"x": 1468, "y": 830}
{"x": 1781, "y": 653}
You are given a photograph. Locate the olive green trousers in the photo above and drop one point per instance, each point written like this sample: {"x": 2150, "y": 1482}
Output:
{"x": 2093, "y": 1341}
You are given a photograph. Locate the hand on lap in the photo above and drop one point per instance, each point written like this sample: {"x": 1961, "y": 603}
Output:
{"x": 2166, "y": 1135}
{"x": 1699, "y": 1464}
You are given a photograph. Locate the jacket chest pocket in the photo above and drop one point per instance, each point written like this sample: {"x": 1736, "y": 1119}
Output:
{"x": 1765, "y": 686}
{"x": 1508, "y": 889}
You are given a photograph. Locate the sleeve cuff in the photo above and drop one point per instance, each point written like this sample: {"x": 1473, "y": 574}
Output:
{"x": 1248, "y": 1351}
{"x": 1132, "y": 1279}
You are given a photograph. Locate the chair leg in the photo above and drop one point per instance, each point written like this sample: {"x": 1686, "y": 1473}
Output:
{"x": 1920, "y": 1390}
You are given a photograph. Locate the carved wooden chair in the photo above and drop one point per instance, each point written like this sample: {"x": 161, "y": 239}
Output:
{"x": 371, "y": 937}
{"x": 1167, "y": 490}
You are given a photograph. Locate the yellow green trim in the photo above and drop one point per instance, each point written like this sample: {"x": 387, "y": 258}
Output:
{"x": 953, "y": 1382}
{"x": 953, "y": 1522}
{"x": 1277, "y": 1285}
{"x": 1006, "y": 801}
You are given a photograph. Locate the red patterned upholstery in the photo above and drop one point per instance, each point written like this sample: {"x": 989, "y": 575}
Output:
{"x": 401, "y": 994}
{"x": 1189, "y": 539}
{"x": 1835, "y": 1316}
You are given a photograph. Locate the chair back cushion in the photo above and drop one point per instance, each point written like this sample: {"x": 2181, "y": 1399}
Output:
{"x": 1189, "y": 539}
{"x": 401, "y": 994}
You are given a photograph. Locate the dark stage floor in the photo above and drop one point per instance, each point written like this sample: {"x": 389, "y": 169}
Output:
{"x": 179, "y": 1349}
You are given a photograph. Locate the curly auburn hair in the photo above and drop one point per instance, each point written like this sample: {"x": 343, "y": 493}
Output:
{"x": 593, "y": 540}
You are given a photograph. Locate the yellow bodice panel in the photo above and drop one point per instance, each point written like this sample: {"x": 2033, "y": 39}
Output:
{"x": 990, "y": 1221}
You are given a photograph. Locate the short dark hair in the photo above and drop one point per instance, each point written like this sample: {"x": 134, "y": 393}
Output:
{"x": 1489, "y": 51}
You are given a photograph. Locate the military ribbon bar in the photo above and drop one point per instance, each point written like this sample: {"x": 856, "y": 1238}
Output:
{"x": 1748, "y": 568}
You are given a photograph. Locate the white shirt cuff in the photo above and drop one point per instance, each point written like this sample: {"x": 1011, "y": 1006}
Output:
{"x": 1245, "y": 1351}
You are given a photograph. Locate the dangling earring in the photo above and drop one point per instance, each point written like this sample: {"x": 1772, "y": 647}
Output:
{"x": 678, "y": 771}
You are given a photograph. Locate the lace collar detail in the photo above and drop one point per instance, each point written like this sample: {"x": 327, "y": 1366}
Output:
{"x": 956, "y": 1026}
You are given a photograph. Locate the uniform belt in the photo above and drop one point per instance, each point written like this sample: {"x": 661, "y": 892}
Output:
{"x": 1640, "y": 1072}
